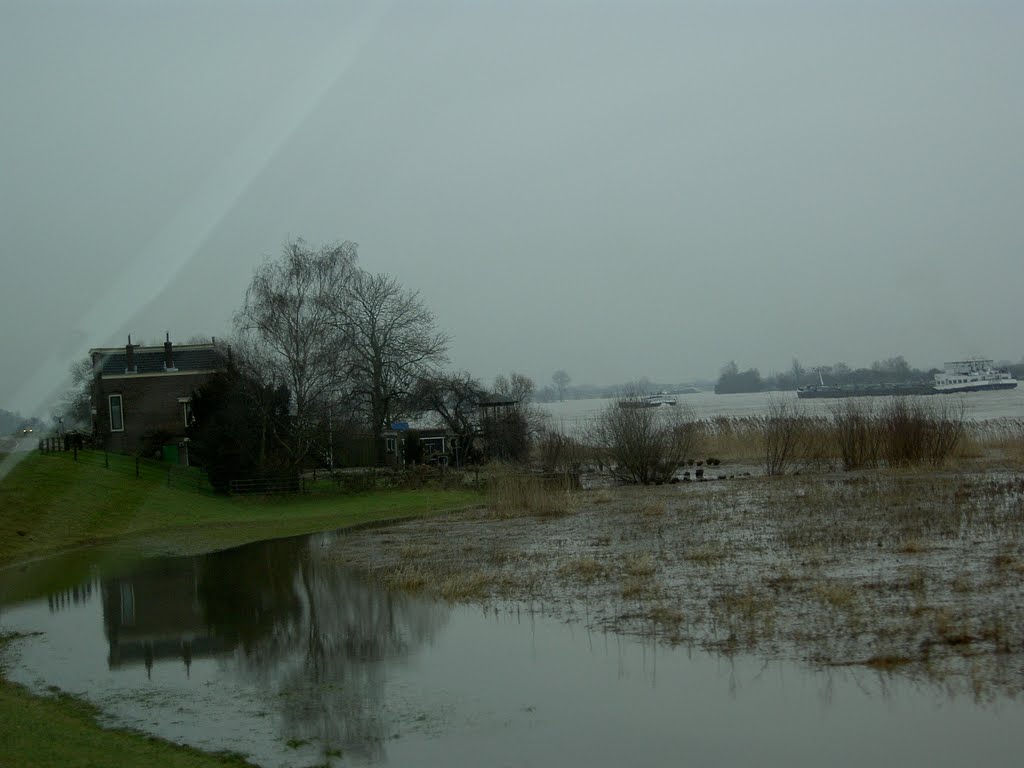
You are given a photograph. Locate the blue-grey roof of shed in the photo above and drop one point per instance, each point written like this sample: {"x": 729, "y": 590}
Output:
{"x": 151, "y": 359}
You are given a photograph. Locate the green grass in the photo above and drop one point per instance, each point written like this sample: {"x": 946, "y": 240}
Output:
{"x": 47, "y": 732}
{"x": 93, "y": 515}
{"x": 49, "y": 504}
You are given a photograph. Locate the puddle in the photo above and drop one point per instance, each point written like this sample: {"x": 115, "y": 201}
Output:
{"x": 274, "y": 651}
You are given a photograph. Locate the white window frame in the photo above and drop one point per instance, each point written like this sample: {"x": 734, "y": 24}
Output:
{"x": 186, "y": 410}
{"x": 390, "y": 444}
{"x": 120, "y": 412}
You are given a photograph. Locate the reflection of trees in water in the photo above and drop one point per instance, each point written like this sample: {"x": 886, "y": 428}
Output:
{"x": 316, "y": 638}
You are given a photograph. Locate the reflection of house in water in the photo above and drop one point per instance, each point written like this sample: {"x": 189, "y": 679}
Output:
{"x": 66, "y": 598}
{"x": 156, "y": 614}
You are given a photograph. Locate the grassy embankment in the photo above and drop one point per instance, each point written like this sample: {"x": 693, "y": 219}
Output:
{"x": 61, "y": 731}
{"x": 50, "y": 504}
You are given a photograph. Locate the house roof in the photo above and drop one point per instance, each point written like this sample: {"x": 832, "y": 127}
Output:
{"x": 194, "y": 357}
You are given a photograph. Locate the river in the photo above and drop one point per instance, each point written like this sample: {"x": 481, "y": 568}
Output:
{"x": 572, "y": 416}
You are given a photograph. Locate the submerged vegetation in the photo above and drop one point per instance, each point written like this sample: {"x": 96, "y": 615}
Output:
{"x": 651, "y": 446}
{"x": 912, "y": 561}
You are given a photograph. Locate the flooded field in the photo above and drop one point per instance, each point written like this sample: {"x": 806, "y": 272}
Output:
{"x": 921, "y": 571}
{"x": 843, "y": 619}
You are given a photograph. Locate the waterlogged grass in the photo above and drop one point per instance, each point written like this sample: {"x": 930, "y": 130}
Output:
{"x": 60, "y": 731}
{"x": 915, "y": 571}
{"x": 513, "y": 492}
{"x": 51, "y": 503}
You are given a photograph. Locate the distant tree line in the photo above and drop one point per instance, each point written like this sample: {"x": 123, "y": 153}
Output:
{"x": 891, "y": 370}
{"x": 12, "y": 422}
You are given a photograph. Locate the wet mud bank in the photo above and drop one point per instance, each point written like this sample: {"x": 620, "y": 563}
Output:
{"x": 918, "y": 572}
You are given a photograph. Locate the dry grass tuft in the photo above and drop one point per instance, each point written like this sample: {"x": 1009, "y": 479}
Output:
{"x": 640, "y": 588}
{"x": 414, "y": 552}
{"x": 653, "y": 509}
{"x": 708, "y": 553}
{"x": 887, "y": 663}
{"x": 585, "y": 569}
{"x": 666, "y": 615}
{"x": 515, "y": 493}
{"x": 835, "y": 594}
{"x": 466, "y": 586}
{"x": 913, "y": 547}
{"x": 640, "y": 566}
{"x": 407, "y": 578}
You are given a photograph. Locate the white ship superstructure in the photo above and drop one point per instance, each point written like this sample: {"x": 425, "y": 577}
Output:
{"x": 972, "y": 376}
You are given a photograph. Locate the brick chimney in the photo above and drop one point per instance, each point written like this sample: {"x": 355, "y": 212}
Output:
{"x": 129, "y": 357}
{"x": 168, "y": 356}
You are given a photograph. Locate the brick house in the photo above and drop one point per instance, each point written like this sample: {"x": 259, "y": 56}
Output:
{"x": 142, "y": 396}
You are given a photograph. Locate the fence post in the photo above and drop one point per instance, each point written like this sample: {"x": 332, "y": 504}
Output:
{"x": 136, "y": 466}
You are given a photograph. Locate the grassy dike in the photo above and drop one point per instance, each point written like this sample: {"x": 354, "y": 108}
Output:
{"x": 40, "y": 732}
{"x": 51, "y": 504}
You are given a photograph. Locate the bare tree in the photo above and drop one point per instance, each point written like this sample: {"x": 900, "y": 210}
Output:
{"x": 520, "y": 387}
{"x": 455, "y": 398}
{"x": 561, "y": 380}
{"x": 391, "y": 343}
{"x": 517, "y": 386}
{"x": 75, "y": 406}
{"x": 289, "y": 331}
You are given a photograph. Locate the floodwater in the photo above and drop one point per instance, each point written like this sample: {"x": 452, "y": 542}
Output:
{"x": 573, "y": 415}
{"x": 273, "y": 651}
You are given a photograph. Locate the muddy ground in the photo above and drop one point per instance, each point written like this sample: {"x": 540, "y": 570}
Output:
{"x": 918, "y": 572}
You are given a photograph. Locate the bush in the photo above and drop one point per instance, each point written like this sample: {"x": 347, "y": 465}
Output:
{"x": 643, "y": 445}
{"x": 913, "y": 432}
{"x": 560, "y": 454}
{"x": 792, "y": 441}
{"x": 857, "y": 433}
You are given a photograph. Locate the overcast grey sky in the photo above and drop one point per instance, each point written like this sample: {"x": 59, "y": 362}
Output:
{"x": 619, "y": 189}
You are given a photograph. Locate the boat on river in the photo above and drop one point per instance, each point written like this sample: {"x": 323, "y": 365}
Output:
{"x": 649, "y": 401}
{"x": 865, "y": 390}
{"x": 823, "y": 390}
{"x": 976, "y": 375}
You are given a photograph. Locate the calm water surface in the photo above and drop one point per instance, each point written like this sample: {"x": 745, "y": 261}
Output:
{"x": 275, "y": 652}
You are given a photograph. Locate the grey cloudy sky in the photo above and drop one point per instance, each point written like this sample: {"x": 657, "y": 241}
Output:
{"x": 615, "y": 188}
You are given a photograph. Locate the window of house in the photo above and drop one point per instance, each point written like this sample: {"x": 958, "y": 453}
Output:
{"x": 389, "y": 444}
{"x": 186, "y": 411}
{"x": 116, "y": 414}
{"x": 127, "y": 604}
